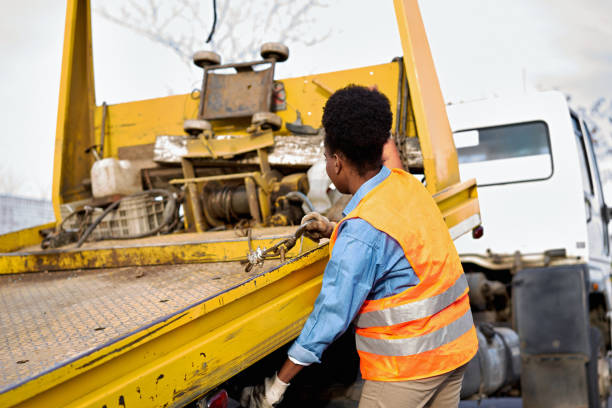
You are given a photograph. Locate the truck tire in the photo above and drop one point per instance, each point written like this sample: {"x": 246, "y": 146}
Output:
{"x": 598, "y": 371}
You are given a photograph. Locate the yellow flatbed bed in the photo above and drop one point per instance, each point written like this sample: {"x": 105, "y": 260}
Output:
{"x": 61, "y": 326}
{"x": 52, "y": 318}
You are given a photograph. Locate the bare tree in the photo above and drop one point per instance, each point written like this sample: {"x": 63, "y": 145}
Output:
{"x": 242, "y": 26}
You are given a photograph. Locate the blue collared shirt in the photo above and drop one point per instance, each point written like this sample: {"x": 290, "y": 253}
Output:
{"x": 365, "y": 264}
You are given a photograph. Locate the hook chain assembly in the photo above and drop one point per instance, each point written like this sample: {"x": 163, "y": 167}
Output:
{"x": 256, "y": 257}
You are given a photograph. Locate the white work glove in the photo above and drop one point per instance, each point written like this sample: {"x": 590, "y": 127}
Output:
{"x": 321, "y": 227}
{"x": 263, "y": 395}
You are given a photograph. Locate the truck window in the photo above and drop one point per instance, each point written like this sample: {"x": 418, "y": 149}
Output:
{"x": 505, "y": 154}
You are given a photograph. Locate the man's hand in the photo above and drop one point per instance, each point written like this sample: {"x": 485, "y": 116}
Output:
{"x": 320, "y": 227}
{"x": 390, "y": 155}
{"x": 263, "y": 395}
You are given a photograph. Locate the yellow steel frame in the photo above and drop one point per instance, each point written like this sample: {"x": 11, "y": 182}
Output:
{"x": 164, "y": 254}
{"x": 79, "y": 119}
{"x": 166, "y": 115}
{"x": 458, "y": 203}
{"x": 435, "y": 136}
{"x": 228, "y": 148}
{"x": 23, "y": 238}
{"x": 173, "y": 361}
{"x": 75, "y": 124}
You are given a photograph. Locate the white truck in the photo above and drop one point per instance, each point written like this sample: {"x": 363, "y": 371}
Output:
{"x": 540, "y": 275}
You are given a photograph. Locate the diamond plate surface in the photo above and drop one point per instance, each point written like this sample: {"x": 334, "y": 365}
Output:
{"x": 48, "y": 318}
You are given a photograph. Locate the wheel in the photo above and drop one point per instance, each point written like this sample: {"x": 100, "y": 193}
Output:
{"x": 598, "y": 371}
{"x": 267, "y": 120}
{"x": 195, "y": 126}
{"x": 276, "y": 51}
{"x": 205, "y": 58}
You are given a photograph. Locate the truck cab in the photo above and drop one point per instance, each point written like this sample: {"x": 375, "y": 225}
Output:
{"x": 534, "y": 162}
{"x": 543, "y": 211}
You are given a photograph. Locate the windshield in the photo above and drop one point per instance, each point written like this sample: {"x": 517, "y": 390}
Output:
{"x": 505, "y": 154}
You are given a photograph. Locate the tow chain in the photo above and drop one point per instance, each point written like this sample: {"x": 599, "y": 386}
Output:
{"x": 256, "y": 257}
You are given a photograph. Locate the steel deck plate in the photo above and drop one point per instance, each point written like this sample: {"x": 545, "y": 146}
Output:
{"x": 47, "y": 319}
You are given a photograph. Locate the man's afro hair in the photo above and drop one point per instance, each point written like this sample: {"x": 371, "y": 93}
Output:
{"x": 357, "y": 121}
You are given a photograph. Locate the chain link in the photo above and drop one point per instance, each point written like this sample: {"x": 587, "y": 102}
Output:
{"x": 256, "y": 257}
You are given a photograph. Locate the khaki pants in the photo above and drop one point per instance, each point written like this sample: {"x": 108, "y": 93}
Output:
{"x": 441, "y": 391}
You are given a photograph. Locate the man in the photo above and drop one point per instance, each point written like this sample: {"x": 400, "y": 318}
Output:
{"x": 393, "y": 271}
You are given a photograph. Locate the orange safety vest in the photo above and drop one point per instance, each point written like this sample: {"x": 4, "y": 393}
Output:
{"x": 427, "y": 329}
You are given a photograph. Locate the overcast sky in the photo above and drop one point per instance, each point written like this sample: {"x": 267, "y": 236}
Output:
{"x": 481, "y": 48}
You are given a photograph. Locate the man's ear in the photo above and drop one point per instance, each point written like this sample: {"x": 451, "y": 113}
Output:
{"x": 339, "y": 163}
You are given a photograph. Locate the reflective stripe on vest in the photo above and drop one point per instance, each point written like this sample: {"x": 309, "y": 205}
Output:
{"x": 415, "y": 310}
{"x": 427, "y": 329}
{"x": 415, "y": 345}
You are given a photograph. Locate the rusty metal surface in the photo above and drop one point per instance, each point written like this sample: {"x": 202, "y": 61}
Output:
{"x": 292, "y": 150}
{"x": 289, "y": 150}
{"x": 169, "y": 149}
{"x": 236, "y": 95}
{"x": 49, "y": 318}
{"x": 296, "y": 150}
{"x": 410, "y": 152}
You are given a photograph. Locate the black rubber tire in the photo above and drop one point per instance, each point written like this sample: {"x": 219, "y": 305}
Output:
{"x": 206, "y": 58}
{"x": 596, "y": 343}
{"x": 276, "y": 51}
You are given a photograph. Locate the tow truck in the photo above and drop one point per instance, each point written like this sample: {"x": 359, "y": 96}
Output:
{"x": 158, "y": 290}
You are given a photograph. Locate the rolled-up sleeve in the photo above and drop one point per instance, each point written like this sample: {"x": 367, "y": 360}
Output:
{"x": 347, "y": 281}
